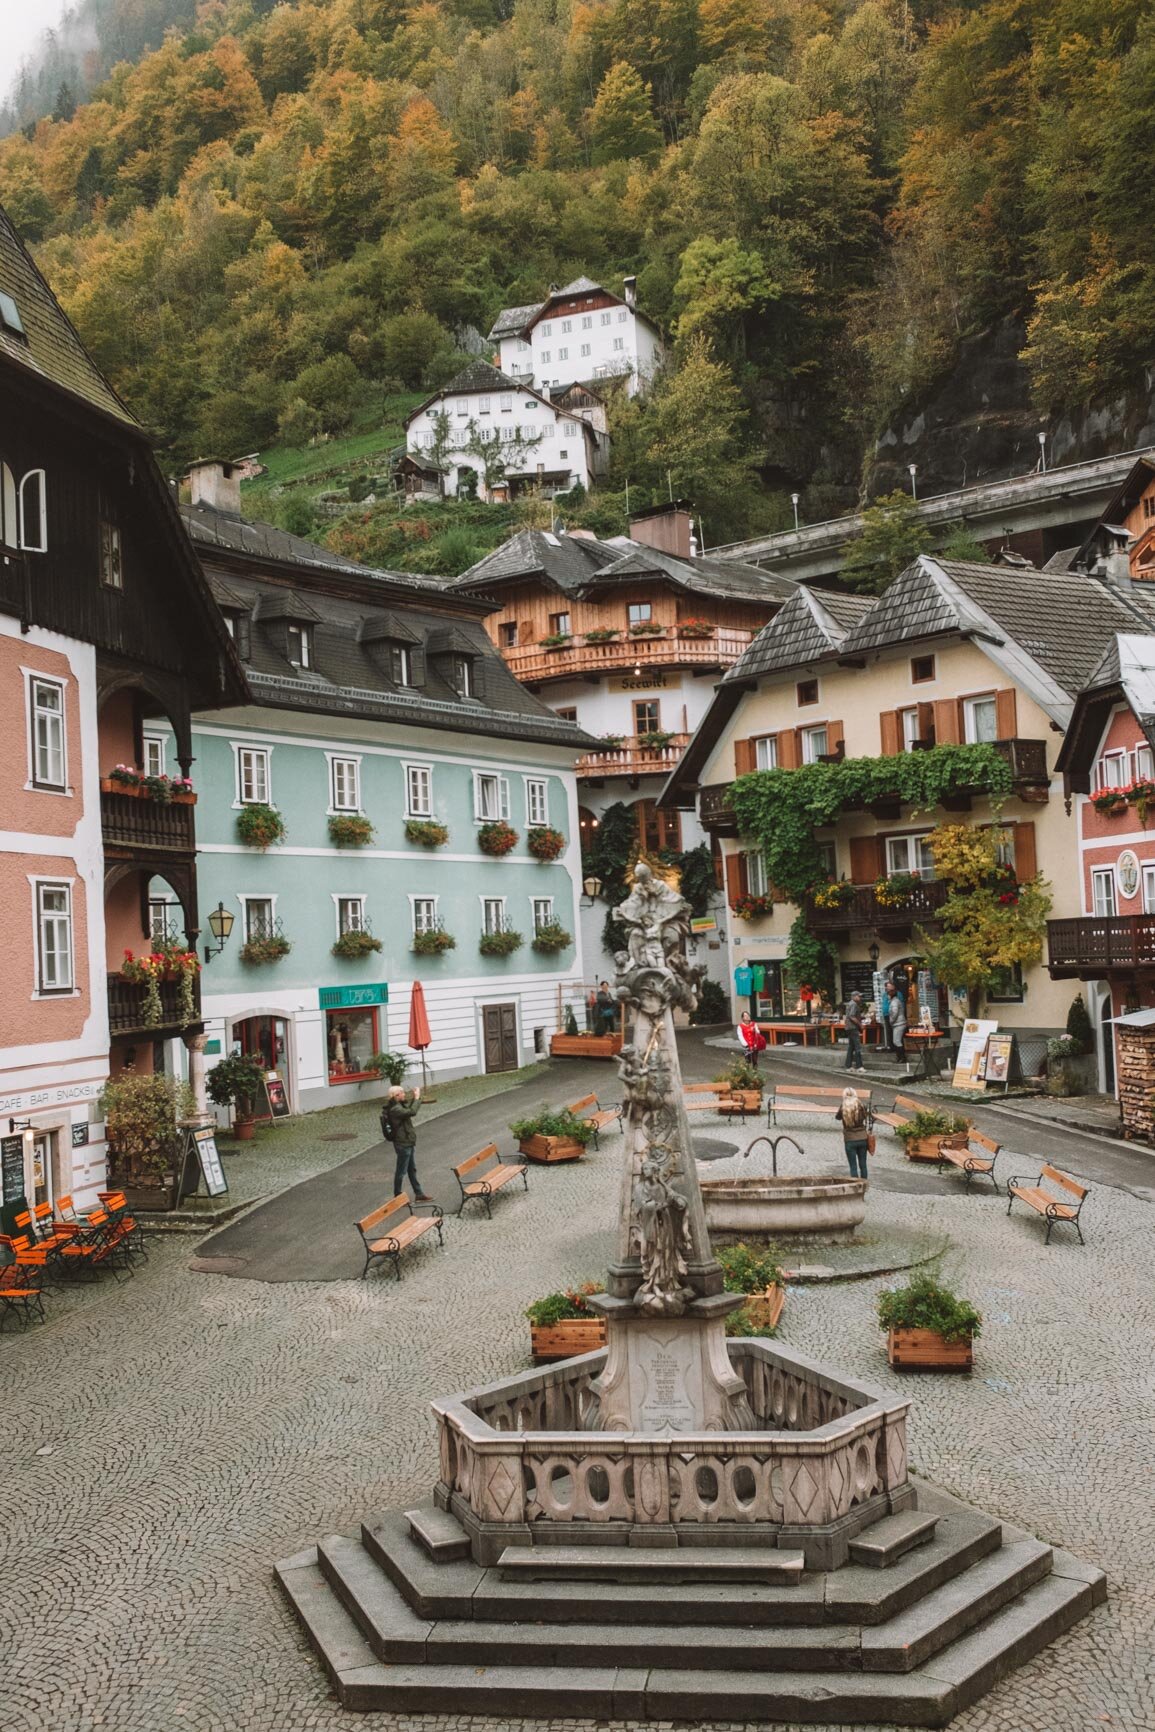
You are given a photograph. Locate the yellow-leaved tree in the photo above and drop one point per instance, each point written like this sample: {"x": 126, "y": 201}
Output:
{"x": 992, "y": 924}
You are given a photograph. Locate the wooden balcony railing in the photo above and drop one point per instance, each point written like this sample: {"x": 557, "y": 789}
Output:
{"x": 864, "y": 912}
{"x": 126, "y": 1008}
{"x": 532, "y": 664}
{"x": 715, "y": 813}
{"x": 1087, "y": 948}
{"x": 634, "y": 758}
{"x": 146, "y": 826}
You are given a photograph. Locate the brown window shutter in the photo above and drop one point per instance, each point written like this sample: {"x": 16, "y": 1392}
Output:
{"x": 888, "y": 722}
{"x": 947, "y": 719}
{"x": 744, "y": 759}
{"x": 835, "y": 736}
{"x": 926, "y": 722}
{"x": 789, "y": 752}
{"x": 1006, "y": 717}
{"x": 1026, "y": 858}
{"x": 736, "y": 882}
{"x": 865, "y": 859}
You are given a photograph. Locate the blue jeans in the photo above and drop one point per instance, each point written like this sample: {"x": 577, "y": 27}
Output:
{"x": 406, "y": 1169}
{"x": 853, "y": 1048}
{"x": 856, "y": 1159}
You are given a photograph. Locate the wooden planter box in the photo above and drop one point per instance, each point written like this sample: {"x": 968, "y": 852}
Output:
{"x": 566, "y": 1339}
{"x": 924, "y": 1350}
{"x": 927, "y": 1148}
{"x": 550, "y": 1149}
{"x": 585, "y": 1045}
{"x": 766, "y": 1308}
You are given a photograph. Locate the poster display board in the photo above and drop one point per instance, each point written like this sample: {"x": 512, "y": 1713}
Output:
{"x": 275, "y": 1095}
{"x": 970, "y": 1066}
{"x": 80, "y": 1136}
{"x": 1003, "y": 1065}
{"x": 202, "y": 1161}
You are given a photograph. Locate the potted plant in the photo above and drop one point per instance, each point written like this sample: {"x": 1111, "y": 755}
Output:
{"x": 699, "y": 628}
{"x": 257, "y": 951}
{"x": 550, "y": 1136}
{"x": 543, "y": 842}
{"x": 1141, "y": 795}
{"x": 122, "y": 779}
{"x": 753, "y": 907}
{"x": 556, "y": 640}
{"x": 925, "y": 1134}
{"x": 259, "y": 826}
{"x": 897, "y": 889}
{"x": 647, "y": 628}
{"x": 755, "y": 1271}
{"x": 928, "y": 1328}
{"x": 1109, "y": 801}
{"x": 427, "y": 832}
{"x": 237, "y": 1081}
{"x": 390, "y": 1067}
{"x": 742, "y": 1083}
{"x": 434, "y": 942}
{"x": 836, "y": 894}
{"x": 603, "y": 634}
{"x": 350, "y": 830}
{"x": 613, "y": 742}
{"x": 142, "y": 1113}
{"x": 500, "y": 943}
{"x": 1071, "y": 1064}
{"x": 562, "y": 1325}
{"x": 655, "y": 741}
{"x": 157, "y": 788}
{"x": 496, "y": 838}
{"x": 183, "y": 792}
{"x": 355, "y": 944}
{"x": 551, "y": 938}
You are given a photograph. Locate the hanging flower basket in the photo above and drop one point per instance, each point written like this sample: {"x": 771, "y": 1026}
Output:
{"x": 837, "y": 894}
{"x": 1111, "y": 802}
{"x": 427, "y": 832}
{"x": 260, "y": 826}
{"x": 544, "y": 843}
{"x": 260, "y": 950}
{"x": 433, "y": 943}
{"x": 352, "y": 945}
{"x": 497, "y": 838}
{"x": 350, "y": 830}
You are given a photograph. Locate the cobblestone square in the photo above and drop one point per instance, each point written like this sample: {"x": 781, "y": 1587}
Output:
{"x": 172, "y": 1437}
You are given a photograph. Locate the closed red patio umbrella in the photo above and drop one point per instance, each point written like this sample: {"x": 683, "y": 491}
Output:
{"x": 419, "y": 1034}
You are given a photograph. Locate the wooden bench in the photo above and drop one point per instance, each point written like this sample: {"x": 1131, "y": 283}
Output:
{"x": 721, "y": 1098}
{"x": 598, "y": 1118}
{"x": 788, "y": 1098}
{"x": 482, "y": 1186}
{"x": 391, "y": 1229}
{"x": 977, "y": 1159}
{"x": 1053, "y": 1209}
{"x": 896, "y": 1118}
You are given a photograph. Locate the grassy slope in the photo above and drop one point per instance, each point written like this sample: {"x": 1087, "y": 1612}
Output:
{"x": 313, "y": 469}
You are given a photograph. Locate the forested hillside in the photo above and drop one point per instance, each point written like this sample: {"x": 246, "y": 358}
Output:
{"x": 291, "y": 209}
{"x": 73, "y": 57}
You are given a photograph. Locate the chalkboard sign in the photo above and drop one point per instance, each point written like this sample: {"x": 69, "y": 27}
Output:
{"x": 79, "y": 1136}
{"x": 202, "y": 1160}
{"x": 11, "y": 1168}
{"x": 857, "y": 977}
{"x": 275, "y": 1095}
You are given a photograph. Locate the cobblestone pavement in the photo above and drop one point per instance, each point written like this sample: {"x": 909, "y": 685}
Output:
{"x": 168, "y": 1440}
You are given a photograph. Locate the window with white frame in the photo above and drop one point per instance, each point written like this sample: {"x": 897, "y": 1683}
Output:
{"x": 980, "y": 719}
{"x": 345, "y": 784}
{"x": 536, "y": 801}
{"x": 401, "y": 664}
{"x": 462, "y": 407}
{"x": 547, "y": 329}
{"x": 154, "y": 754}
{"x": 461, "y": 676}
{"x": 350, "y": 914}
{"x": 813, "y": 744}
{"x": 163, "y": 919}
{"x": 424, "y": 914}
{"x": 563, "y": 354}
{"x": 506, "y": 404}
{"x": 34, "y": 512}
{"x": 587, "y": 322}
{"x": 1103, "y": 892}
{"x": 418, "y": 791}
{"x": 546, "y": 357}
{"x": 542, "y": 912}
{"x": 623, "y": 315}
{"x": 46, "y": 724}
{"x": 492, "y": 914}
{"x": 766, "y": 752}
{"x": 639, "y": 613}
{"x": 1005, "y": 848}
{"x": 548, "y": 430}
{"x": 585, "y": 349}
{"x": 605, "y": 319}
{"x": 1149, "y": 889}
{"x": 301, "y": 646}
{"x": 1144, "y": 764}
{"x": 54, "y": 937}
{"x": 260, "y": 918}
{"x": 1111, "y": 770}
{"x": 908, "y": 720}
{"x": 1006, "y": 984}
{"x": 756, "y": 875}
{"x": 566, "y": 326}
{"x": 619, "y": 342}
{"x": 828, "y": 858}
{"x": 490, "y": 796}
{"x": 253, "y": 780}
{"x": 910, "y": 854}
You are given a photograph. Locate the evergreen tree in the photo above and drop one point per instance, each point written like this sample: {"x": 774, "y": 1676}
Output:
{"x": 621, "y": 120}
{"x": 893, "y": 535}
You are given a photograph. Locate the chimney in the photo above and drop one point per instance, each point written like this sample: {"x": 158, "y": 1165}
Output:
{"x": 216, "y": 483}
{"x": 630, "y": 290}
{"x": 666, "y": 527}
{"x": 1112, "y": 561}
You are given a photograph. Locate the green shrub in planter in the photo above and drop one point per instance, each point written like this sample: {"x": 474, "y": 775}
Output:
{"x": 434, "y": 943}
{"x": 350, "y": 830}
{"x": 500, "y": 943}
{"x": 551, "y": 1123}
{"x": 236, "y": 1081}
{"x": 427, "y": 832}
{"x": 1079, "y": 1028}
{"x": 565, "y": 1307}
{"x": 352, "y": 945}
{"x": 550, "y": 939}
{"x": 256, "y": 951}
{"x": 924, "y": 1303}
{"x": 930, "y": 1122}
{"x": 741, "y": 1074}
{"x": 260, "y": 826}
{"x": 749, "y": 1268}
{"x": 390, "y": 1066}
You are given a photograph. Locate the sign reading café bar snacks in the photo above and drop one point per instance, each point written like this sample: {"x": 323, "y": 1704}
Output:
{"x": 970, "y": 1066}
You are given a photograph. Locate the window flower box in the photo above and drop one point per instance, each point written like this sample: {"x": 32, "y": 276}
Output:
{"x": 603, "y": 634}
{"x": 183, "y": 793}
{"x": 258, "y": 951}
{"x": 753, "y": 907}
{"x": 837, "y": 894}
{"x": 647, "y": 628}
{"x": 655, "y": 741}
{"x": 544, "y": 843}
{"x": 556, "y": 640}
{"x": 562, "y": 1325}
{"x": 897, "y": 889}
{"x": 613, "y": 742}
{"x": 259, "y": 826}
{"x": 696, "y": 628}
{"x": 548, "y": 940}
{"x": 435, "y": 942}
{"x": 500, "y": 943}
{"x": 427, "y": 832}
{"x": 350, "y": 830}
{"x": 123, "y": 779}
{"x": 157, "y": 788}
{"x": 497, "y": 838}
{"x": 355, "y": 944}
{"x": 1110, "y": 802}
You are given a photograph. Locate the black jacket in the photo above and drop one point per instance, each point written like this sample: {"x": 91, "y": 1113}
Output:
{"x": 401, "y": 1114}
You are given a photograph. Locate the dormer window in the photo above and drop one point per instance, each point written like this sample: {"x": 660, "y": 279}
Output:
{"x": 300, "y": 645}
{"x": 111, "y": 562}
{"x": 460, "y": 672}
{"x": 401, "y": 664}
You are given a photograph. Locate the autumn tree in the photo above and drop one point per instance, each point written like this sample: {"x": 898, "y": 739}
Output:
{"x": 992, "y": 924}
{"x": 621, "y": 121}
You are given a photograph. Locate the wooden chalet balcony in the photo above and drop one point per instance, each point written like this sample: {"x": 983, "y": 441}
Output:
{"x": 126, "y": 1008}
{"x": 633, "y": 758}
{"x": 532, "y": 664}
{"x": 132, "y": 827}
{"x": 1094, "y": 945}
{"x": 865, "y": 913}
{"x": 715, "y": 813}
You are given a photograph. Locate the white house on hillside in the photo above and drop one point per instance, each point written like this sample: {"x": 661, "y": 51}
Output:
{"x": 501, "y": 436}
{"x": 580, "y": 334}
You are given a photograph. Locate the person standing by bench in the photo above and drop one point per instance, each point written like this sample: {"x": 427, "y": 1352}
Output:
{"x": 852, "y": 1115}
{"x": 397, "y": 1127}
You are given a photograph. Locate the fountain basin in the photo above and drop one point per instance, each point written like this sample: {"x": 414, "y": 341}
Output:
{"x": 826, "y": 1207}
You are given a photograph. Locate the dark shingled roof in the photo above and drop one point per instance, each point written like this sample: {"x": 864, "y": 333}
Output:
{"x": 569, "y": 561}
{"x": 915, "y": 606}
{"x": 511, "y": 320}
{"x": 211, "y": 527}
{"x": 53, "y": 349}
{"x": 701, "y": 575}
{"x": 478, "y": 376}
{"x": 577, "y": 566}
{"x": 811, "y": 625}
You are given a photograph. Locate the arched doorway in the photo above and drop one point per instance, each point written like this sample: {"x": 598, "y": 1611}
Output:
{"x": 267, "y": 1037}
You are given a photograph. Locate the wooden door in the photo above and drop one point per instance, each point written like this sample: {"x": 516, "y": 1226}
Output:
{"x": 499, "y": 1032}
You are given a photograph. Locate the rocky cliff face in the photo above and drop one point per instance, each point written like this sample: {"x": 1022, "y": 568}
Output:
{"x": 978, "y": 424}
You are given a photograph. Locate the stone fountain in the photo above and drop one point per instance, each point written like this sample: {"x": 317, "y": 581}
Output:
{"x": 677, "y": 1526}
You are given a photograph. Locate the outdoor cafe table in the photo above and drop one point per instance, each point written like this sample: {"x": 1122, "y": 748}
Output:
{"x": 925, "y": 1042}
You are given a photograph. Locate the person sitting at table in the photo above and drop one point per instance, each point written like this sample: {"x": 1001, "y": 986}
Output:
{"x": 751, "y": 1038}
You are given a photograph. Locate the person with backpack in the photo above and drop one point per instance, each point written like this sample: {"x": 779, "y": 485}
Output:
{"x": 397, "y": 1127}
{"x": 856, "y": 1137}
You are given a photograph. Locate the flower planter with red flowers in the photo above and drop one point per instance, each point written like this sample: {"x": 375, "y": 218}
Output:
{"x": 562, "y": 1325}
{"x": 1110, "y": 802}
{"x": 753, "y": 907}
{"x": 544, "y": 843}
{"x": 497, "y": 838}
{"x": 697, "y": 628}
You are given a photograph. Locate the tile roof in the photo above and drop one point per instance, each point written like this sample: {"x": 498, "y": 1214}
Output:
{"x": 915, "y": 606}
{"x": 52, "y": 349}
{"x": 579, "y": 286}
{"x": 211, "y": 527}
{"x": 511, "y": 320}
{"x": 701, "y": 575}
{"x": 577, "y": 565}
{"x": 811, "y": 625}
{"x": 568, "y": 561}
{"x": 478, "y": 376}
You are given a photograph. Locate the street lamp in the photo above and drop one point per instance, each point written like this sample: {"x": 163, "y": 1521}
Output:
{"x": 913, "y": 467}
{"x": 794, "y": 498}
{"x": 1042, "y": 451}
{"x": 873, "y": 954}
{"x": 220, "y": 925}
{"x": 592, "y": 887}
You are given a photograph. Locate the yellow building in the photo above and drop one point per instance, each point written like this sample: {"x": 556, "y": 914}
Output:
{"x": 953, "y": 653}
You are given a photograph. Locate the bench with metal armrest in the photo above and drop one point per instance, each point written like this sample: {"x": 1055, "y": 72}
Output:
{"x": 791, "y": 1098}
{"x": 487, "y": 1180}
{"x": 904, "y": 1110}
{"x": 390, "y": 1230}
{"x": 599, "y": 1117}
{"x": 1054, "y": 1210}
{"x": 976, "y": 1160}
